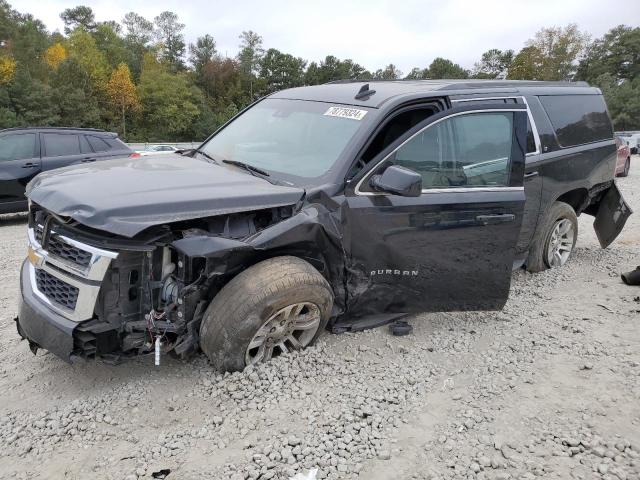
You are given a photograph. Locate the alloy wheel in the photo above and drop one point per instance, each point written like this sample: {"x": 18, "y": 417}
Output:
{"x": 290, "y": 328}
{"x": 560, "y": 243}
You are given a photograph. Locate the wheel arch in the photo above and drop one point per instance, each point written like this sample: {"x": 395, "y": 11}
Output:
{"x": 577, "y": 198}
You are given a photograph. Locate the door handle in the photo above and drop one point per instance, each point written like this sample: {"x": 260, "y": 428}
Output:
{"x": 493, "y": 219}
{"x": 535, "y": 173}
{"x": 29, "y": 165}
{"x": 85, "y": 160}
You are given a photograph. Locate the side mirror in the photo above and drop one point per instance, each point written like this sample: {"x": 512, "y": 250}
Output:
{"x": 399, "y": 181}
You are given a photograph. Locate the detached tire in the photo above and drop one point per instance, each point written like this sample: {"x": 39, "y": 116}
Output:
{"x": 554, "y": 239}
{"x": 276, "y": 306}
{"x": 627, "y": 167}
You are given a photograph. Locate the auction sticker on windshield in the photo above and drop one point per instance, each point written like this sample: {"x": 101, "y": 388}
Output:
{"x": 342, "y": 112}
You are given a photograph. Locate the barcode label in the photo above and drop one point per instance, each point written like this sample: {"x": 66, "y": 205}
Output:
{"x": 342, "y": 112}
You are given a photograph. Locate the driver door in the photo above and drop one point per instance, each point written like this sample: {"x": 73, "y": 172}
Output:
{"x": 452, "y": 247}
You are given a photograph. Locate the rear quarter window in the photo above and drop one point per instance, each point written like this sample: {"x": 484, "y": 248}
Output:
{"x": 98, "y": 144}
{"x": 116, "y": 144}
{"x": 578, "y": 119}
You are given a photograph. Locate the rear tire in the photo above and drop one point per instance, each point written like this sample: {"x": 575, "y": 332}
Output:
{"x": 627, "y": 167}
{"x": 557, "y": 234}
{"x": 281, "y": 304}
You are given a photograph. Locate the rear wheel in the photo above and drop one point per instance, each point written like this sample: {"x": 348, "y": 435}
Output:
{"x": 554, "y": 239}
{"x": 274, "y": 307}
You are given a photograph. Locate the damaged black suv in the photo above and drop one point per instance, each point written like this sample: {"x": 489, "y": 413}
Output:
{"x": 337, "y": 205}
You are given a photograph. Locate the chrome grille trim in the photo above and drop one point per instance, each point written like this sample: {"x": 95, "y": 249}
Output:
{"x": 86, "y": 279}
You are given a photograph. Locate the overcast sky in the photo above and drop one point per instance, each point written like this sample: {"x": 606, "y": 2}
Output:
{"x": 374, "y": 33}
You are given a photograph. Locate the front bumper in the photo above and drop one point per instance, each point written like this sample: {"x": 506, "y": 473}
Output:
{"x": 41, "y": 326}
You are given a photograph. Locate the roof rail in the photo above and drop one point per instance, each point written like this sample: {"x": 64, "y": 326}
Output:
{"x": 469, "y": 83}
{"x": 57, "y": 128}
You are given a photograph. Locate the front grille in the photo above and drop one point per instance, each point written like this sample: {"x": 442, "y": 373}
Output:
{"x": 56, "y": 290}
{"x": 63, "y": 250}
{"x": 68, "y": 252}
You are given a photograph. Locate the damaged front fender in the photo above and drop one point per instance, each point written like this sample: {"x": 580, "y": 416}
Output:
{"x": 311, "y": 234}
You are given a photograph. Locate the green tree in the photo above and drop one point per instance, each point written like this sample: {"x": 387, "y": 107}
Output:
{"x": 493, "y": 64}
{"x": 251, "y": 52}
{"x": 170, "y": 40}
{"x": 332, "y": 68}
{"x": 111, "y": 44}
{"x": 617, "y": 53}
{"x": 281, "y": 70}
{"x": 202, "y": 52}
{"x": 390, "y": 72}
{"x": 444, "y": 68}
{"x": 137, "y": 39}
{"x": 623, "y": 100}
{"x": 415, "y": 74}
{"x": 82, "y": 49}
{"x": 80, "y": 16}
{"x": 168, "y": 104}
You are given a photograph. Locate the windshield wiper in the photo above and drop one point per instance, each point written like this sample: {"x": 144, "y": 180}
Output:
{"x": 249, "y": 168}
{"x": 205, "y": 154}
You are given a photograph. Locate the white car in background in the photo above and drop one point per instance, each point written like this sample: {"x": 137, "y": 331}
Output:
{"x": 155, "y": 149}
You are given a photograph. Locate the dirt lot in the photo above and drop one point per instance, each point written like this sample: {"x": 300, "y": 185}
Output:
{"x": 548, "y": 388}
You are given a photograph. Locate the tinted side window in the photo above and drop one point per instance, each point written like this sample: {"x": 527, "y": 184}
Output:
{"x": 462, "y": 151}
{"x": 59, "y": 144}
{"x": 116, "y": 144}
{"x": 98, "y": 144}
{"x": 578, "y": 119}
{"x": 17, "y": 147}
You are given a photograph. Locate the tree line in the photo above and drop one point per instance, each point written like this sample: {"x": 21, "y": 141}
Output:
{"x": 139, "y": 77}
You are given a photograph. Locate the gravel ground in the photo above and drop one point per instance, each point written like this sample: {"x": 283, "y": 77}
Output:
{"x": 549, "y": 387}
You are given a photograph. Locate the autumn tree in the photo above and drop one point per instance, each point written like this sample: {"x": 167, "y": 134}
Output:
{"x": 122, "y": 93}
{"x": 7, "y": 69}
{"x": 55, "y": 55}
{"x": 552, "y": 54}
{"x": 526, "y": 65}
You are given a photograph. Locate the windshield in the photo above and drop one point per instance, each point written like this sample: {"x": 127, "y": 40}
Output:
{"x": 293, "y": 137}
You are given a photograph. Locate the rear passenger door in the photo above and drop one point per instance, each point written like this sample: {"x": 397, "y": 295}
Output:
{"x": 19, "y": 163}
{"x": 63, "y": 149}
{"x": 453, "y": 246}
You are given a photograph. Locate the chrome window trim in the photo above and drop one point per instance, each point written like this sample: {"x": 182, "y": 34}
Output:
{"x": 358, "y": 192}
{"x": 534, "y": 128}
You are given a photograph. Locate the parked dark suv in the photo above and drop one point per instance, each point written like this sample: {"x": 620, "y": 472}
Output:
{"x": 25, "y": 152}
{"x": 341, "y": 204}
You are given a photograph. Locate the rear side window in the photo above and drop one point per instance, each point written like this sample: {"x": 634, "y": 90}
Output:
{"x": 578, "y": 119}
{"x": 17, "y": 147}
{"x": 58, "y": 144}
{"x": 98, "y": 144}
{"x": 116, "y": 144}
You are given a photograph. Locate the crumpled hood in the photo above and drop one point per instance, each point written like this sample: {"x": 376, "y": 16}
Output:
{"x": 126, "y": 196}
